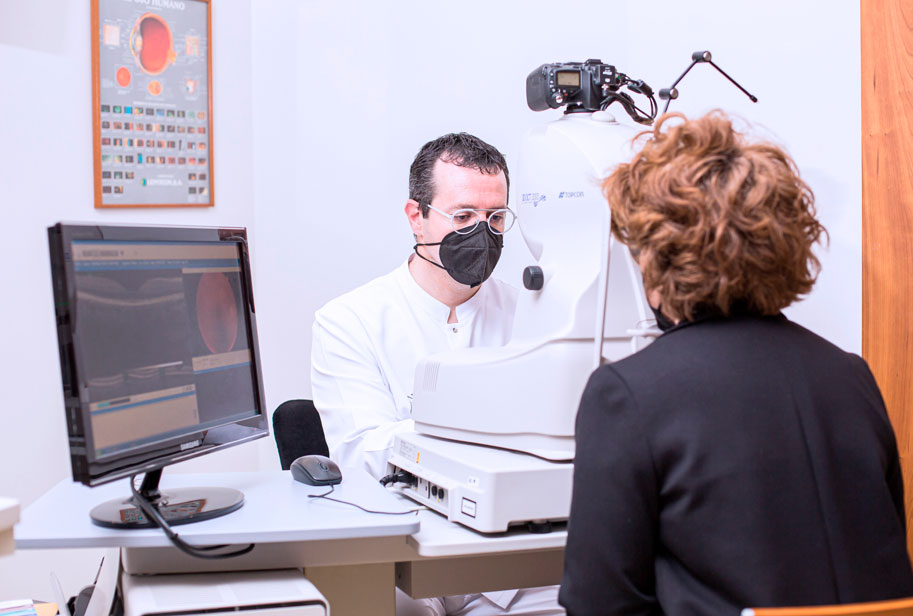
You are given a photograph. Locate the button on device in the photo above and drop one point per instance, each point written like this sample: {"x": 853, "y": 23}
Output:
{"x": 533, "y": 278}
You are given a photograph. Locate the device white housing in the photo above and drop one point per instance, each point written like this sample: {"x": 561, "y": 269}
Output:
{"x": 524, "y": 396}
{"x": 257, "y": 593}
{"x": 484, "y": 488}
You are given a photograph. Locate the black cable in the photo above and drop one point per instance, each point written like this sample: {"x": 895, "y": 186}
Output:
{"x": 326, "y": 495}
{"x": 625, "y": 100}
{"x": 397, "y": 477}
{"x": 648, "y": 117}
{"x": 199, "y": 552}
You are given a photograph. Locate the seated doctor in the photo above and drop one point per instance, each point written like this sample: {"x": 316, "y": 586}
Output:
{"x": 367, "y": 343}
{"x": 739, "y": 460}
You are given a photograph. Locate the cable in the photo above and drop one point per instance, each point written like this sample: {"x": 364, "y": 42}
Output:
{"x": 400, "y": 476}
{"x": 199, "y": 552}
{"x": 326, "y": 495}
{"x": 630, "y": 107}
{"x": 638, "y": 87}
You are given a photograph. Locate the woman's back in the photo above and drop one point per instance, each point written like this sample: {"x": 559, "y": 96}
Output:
{"x": 774, "y": 467}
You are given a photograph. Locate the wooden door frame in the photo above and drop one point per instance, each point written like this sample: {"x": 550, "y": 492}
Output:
{"x": 887, "y": 216}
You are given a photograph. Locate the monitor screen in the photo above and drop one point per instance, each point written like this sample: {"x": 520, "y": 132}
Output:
{"x": 158, "y": 345}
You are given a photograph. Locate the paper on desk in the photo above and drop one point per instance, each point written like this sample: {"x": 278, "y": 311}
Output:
{"x": 17, "y": 607}
{"x": 25, "y": 607}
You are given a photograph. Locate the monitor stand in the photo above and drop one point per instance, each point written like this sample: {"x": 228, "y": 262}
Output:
{"x": 177, "y": 505}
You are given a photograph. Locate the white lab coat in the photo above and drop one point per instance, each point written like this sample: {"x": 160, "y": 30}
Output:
{"x": 366, "y": 345}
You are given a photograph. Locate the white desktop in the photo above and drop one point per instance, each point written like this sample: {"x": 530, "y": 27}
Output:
{"x": 338, "y": 546}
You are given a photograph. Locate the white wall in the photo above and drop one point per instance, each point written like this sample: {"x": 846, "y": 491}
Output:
{"x": 365, "y": 87}
{"x": 319, "y": 108}
{"x": 46, "y": 177}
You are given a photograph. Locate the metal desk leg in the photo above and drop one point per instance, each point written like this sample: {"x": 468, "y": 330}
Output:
{"x": 436, "y": 577}
{"x": 356, "y": 590}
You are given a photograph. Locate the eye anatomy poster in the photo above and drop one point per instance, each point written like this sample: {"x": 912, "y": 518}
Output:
{"x": 152, "y": 104}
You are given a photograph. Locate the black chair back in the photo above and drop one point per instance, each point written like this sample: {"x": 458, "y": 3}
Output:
{"x": 298, "y": 431}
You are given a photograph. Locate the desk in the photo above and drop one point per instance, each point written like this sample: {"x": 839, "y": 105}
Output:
{"x": 340, "y": 547}
{"x": 9, "y": 515}
{"x": 445, "y": 558}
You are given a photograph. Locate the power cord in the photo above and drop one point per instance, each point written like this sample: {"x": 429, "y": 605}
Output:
{"x": 397, "y": 477}
{"x": 154, "y": 516}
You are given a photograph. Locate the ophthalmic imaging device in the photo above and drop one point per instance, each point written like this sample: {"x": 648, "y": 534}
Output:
{"x": 500, "y": 455}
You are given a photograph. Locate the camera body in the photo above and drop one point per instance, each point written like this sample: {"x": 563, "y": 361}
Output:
{"x": 582, "y": 86}
{"x": 585, "y": 87}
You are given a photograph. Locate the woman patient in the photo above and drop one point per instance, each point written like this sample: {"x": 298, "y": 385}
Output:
{"x": 740, "y": 460}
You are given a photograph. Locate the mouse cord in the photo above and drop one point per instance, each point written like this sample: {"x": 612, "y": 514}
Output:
{"x": 327, "y": 496}
{"x": 153, "y": 515}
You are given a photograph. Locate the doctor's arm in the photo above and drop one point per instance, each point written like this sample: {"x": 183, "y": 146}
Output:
{"x": 609, "y": 558}
{"x": 359, "y": 414}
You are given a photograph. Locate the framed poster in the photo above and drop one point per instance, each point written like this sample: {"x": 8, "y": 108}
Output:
{"x": 152, "y": 103}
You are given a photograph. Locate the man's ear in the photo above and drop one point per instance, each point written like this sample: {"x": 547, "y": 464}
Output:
{"x": 414, "y": 214}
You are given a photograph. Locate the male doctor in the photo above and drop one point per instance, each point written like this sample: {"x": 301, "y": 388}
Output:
{"x": 367, "y": 343}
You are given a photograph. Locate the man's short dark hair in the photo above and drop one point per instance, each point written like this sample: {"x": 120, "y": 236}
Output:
{"x": 461, "y": 149}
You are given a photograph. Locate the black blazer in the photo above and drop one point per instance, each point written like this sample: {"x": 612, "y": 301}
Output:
{"x": 734, "y": 463}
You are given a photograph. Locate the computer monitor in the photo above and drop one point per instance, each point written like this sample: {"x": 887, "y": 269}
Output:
{"x": 159, "y": 358}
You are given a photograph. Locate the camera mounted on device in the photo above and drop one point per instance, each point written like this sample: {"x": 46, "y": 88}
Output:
{"x": 586, "y": 87}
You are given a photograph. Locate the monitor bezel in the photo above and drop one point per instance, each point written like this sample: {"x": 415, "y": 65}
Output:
{"x": 87, "y": 468}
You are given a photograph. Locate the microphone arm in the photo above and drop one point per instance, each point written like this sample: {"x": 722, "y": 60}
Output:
{"x": 671, "y": 92}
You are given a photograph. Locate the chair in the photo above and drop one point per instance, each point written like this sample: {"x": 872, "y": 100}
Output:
{"x": 892, "y": 607}
{"x": 298, "y": 431}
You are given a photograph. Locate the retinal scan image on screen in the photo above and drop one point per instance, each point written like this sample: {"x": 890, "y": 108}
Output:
{"x": 165, "y": 347}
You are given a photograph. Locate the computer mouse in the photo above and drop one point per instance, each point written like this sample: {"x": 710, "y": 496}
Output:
{"x": 316, "y": 470}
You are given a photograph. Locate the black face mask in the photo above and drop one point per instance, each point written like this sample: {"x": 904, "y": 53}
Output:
{"x": 469, "y": 258}
{"x": 662, "y": 321}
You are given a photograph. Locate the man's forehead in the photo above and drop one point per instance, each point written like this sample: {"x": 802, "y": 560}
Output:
{"x": 450, "y": 176}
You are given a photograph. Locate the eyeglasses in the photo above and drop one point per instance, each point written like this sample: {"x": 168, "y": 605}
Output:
{"x": 466, "y": 220}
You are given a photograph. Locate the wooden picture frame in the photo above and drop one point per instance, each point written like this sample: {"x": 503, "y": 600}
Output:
{"x": 152, "y": 103}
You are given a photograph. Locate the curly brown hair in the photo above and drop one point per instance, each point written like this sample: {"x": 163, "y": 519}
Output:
{"x": 716, "y": 223}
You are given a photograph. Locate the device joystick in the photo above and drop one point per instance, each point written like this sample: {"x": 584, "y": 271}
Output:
{"x": 533, "y": 279}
